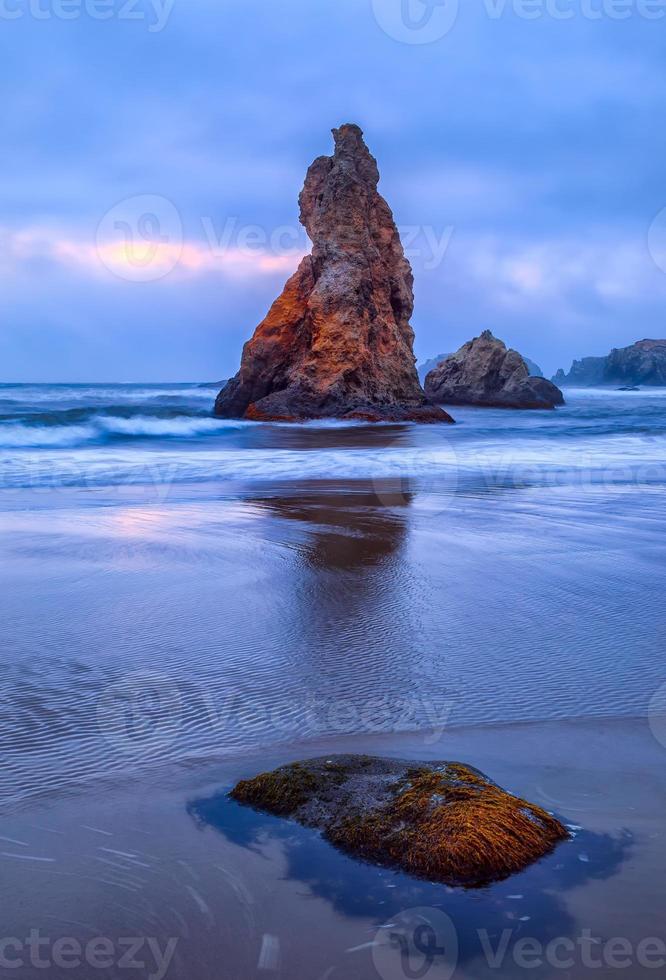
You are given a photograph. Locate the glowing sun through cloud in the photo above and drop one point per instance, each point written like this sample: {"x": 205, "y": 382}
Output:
{"x": 145, "y": 260}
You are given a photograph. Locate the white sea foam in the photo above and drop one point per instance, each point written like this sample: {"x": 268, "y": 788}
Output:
{"x": 19, "y": 436}
{"x": 15, "y": 435}
{"x": 614, "y": 459}
{"x": 181, "y": 426}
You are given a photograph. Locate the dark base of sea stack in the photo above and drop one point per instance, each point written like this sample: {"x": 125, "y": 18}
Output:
{"x": 535, "y": 394}
{"x": 443, "y": 821}
{"x": 429, "y": 414}
{"x": 292, "y": 405}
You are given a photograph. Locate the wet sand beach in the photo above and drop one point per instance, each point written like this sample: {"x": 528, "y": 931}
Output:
{"x": 173, "y": 859}
{"x": 504, "y": 611}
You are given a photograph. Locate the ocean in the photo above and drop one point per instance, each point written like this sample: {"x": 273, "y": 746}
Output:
{"x": 106, "y": 435}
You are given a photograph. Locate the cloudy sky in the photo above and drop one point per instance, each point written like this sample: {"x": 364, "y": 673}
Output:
{"x": 153, "y": 153}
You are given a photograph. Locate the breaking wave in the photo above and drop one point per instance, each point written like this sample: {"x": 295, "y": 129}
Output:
{"x": 101, "y": 429}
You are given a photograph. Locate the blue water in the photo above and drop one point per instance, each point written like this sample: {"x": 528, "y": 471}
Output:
{"x": 176, "y": 586}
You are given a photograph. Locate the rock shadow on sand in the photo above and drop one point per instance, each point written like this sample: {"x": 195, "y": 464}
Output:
{"x": 532, "y": 903}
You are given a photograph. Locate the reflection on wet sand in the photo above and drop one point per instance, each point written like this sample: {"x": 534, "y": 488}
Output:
{"x": 353, "y": 600}
{"x": 304, "y": 437}
{"x": 349, "y": 525}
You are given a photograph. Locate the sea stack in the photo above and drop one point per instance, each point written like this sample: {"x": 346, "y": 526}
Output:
{"x": 338, "y": 342}
{"x": 485, "y": 372}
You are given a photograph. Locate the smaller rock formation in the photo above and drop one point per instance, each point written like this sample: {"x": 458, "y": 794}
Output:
{"x": 642, "y": 363}
{"x": 338, "y": 342}
{"x": 426, "y": 367}
{"x": 440, "y": 820}
{"x": 484, "y": 372}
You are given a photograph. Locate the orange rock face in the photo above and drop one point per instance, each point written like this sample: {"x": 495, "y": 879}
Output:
{"x": 337, "y": 342}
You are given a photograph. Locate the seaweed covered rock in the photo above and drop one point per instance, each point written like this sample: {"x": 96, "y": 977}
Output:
{"x": 440, "y": 820}
{"x": 338, "y": 341}
{"x": 484, "y": 372}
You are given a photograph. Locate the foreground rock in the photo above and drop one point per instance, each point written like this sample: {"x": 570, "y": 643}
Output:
{"x": 338, "y": 342}
{"x": 484, "y": 372}
{"x": 643, "y": 363}
{"x": 439, "y": 820}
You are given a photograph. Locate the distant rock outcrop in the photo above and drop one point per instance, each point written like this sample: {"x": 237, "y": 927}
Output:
{"x": 338, "y": 342}
{"x": 484, "y": 372}
{"x": 587, "y": 371}
{"x": 643, "y": 363}
{"x": 426, "y": 367}
{"x": 533, "y": 369}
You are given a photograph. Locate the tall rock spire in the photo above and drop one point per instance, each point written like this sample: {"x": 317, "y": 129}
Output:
{"x": 338, "y": 342}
